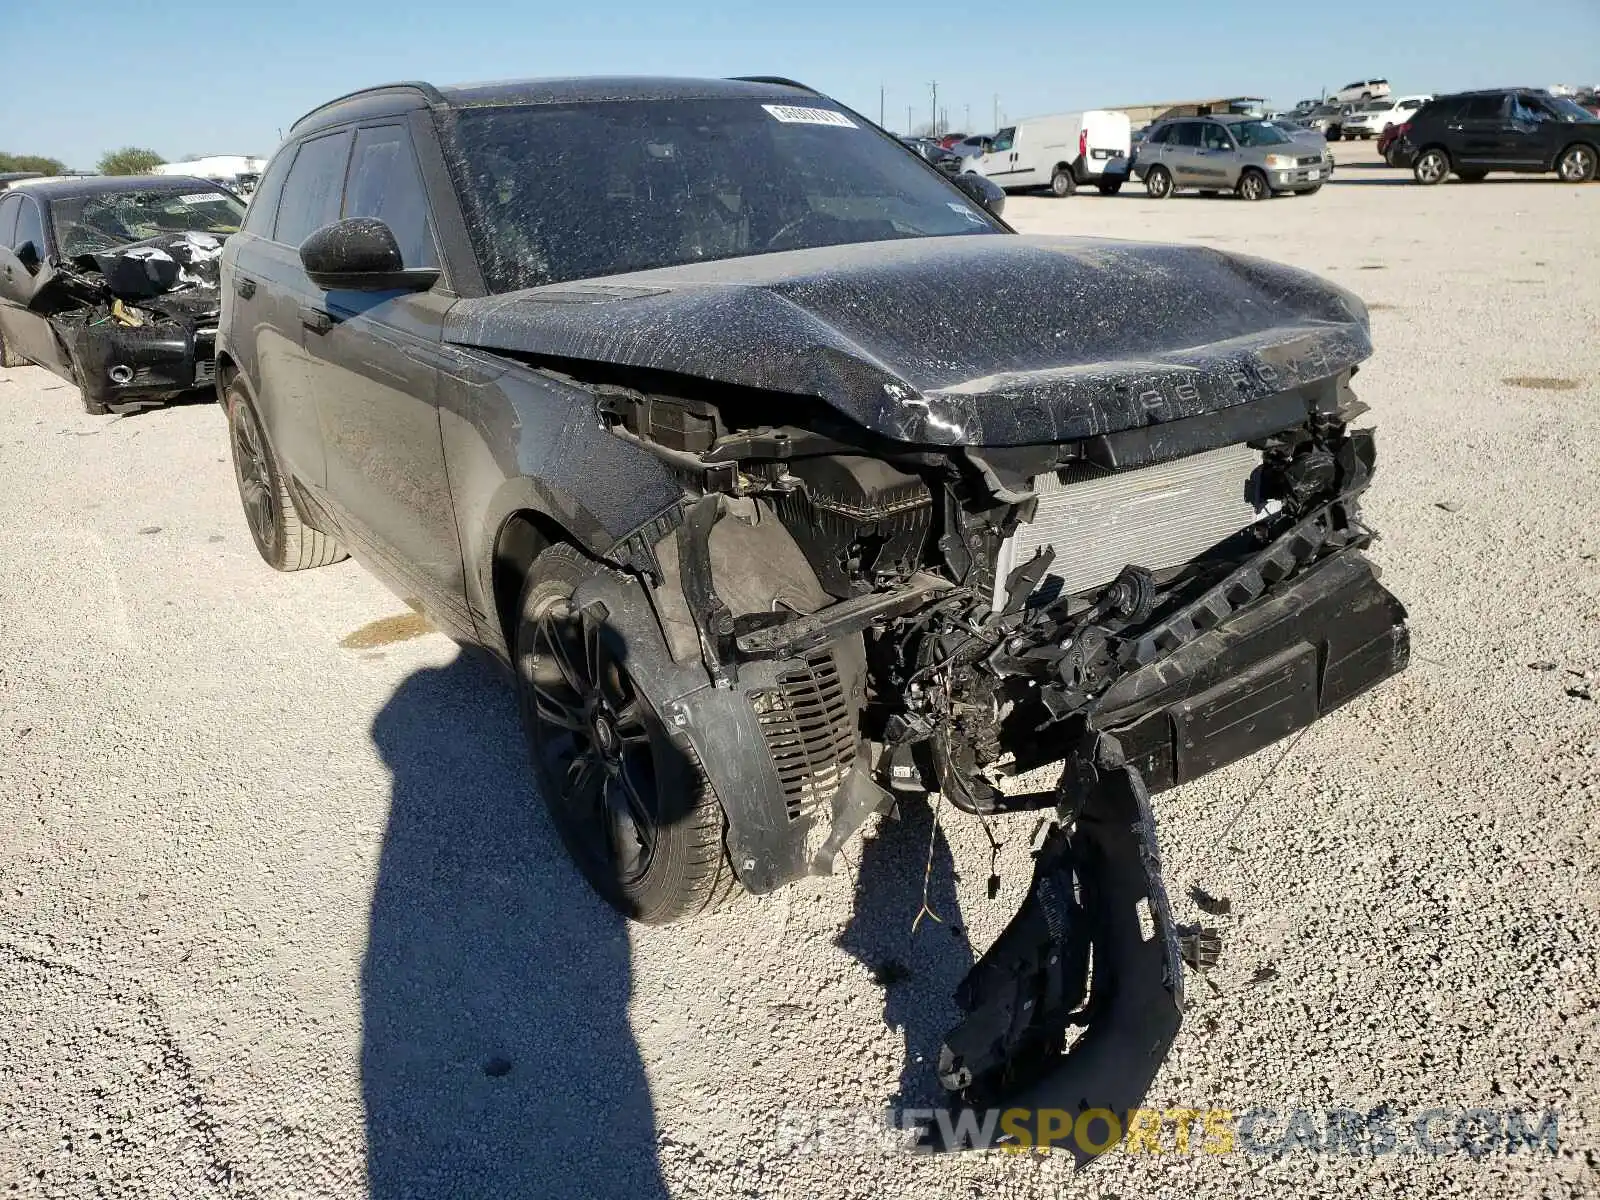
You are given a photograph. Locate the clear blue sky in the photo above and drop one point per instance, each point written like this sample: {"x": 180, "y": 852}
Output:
{"x": 224, "y": 76}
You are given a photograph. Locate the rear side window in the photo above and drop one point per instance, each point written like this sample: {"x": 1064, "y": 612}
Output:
{"x": 30, "y": 226}
{"x": 264, "y": 204}
{"x": 311, "y": 194}
{"x": 385, "y": 183}
{"x": 8, "y": 220}
{"x": 1482, "y": 108}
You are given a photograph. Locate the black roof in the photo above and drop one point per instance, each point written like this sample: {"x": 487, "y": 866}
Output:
{"x": 59, "y": 186}
{"x": 398, "y": 97}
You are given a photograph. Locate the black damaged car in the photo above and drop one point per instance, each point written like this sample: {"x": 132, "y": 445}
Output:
{"x": 793, "y": 484}
{"x": 111, "y": 282}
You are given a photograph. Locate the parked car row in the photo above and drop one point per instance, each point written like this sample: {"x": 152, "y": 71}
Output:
{"x": 765, "y": 547}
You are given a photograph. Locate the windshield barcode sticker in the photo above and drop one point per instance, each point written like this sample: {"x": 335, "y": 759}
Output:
{"x": 202, "y": 197}
{"x": 791, "y": 114}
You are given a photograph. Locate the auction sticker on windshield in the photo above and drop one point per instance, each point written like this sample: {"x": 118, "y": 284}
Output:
{"x": 791, "y": 114}
{"x": 203, "y": 198}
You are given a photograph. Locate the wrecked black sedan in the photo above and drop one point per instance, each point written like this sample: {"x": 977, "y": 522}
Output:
{"x": 112, "y": 283}
{"x": 793, "y": 484}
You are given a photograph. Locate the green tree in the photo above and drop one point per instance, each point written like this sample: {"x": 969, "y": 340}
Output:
{"x": 31, "y": 162}
{"x": 130, "y": 160}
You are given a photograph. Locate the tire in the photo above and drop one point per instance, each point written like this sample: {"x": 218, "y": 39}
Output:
{"x": 1109, "y": 189}
{"x": 1062, "y": 184}
{"x": 1158, "y": 183}
{"x": 8, "y": 356}
{"x": 1431, "y": 167}
{"x": 1472, "y": 176}
{"x": 1310, "y": 191}
{"x": 1334, "y": 133}
{"x": 285, "y": 542}
{"x": 1253, "y": 186}
{"x": 634, "y": 809}
{"x": 1577, "y": 163}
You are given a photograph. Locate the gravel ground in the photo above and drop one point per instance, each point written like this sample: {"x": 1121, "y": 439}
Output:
{"x": 279, "y": 915}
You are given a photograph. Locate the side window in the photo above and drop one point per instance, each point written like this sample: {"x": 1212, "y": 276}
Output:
{"x": 311, "y": 194}
{"x": 1216, "y": 137}
{"x": 1187, "y": 134}
{"x": 8, "y": 219}
{"x": 1160, "y": 136}
{"x": 30, "y": 226}
{"x": 1482, "y": 108}
{"x": 1003, "y": 140}
{"x": 385, "y": 183}
{"x": 263, "y": 209}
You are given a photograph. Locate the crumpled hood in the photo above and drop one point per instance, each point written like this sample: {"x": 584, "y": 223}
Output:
{"x": 976, "y": 340}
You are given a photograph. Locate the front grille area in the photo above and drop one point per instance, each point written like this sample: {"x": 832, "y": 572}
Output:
{"x": 1154, "y": 517}
{"x": 1314, "y": 160}
{"x": 807, "y": 724}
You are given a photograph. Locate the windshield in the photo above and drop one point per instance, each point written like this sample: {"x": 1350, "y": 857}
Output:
{"x": 106, "y": 220}
{"x": 563, "y": 192}
{"x": 1566, "y": 109}
{"x": 1258, "y": 133}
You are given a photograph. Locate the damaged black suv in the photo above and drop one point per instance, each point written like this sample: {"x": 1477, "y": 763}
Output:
{"x": 792, "y": 482}
{"x": 112, "y": 283}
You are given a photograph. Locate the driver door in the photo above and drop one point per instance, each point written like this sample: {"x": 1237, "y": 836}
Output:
{"x": 24, "y": 255}
{"x": 999, "y": 162}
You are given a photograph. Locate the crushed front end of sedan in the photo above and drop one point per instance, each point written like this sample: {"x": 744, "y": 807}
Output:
{"x": 957, "y": 509}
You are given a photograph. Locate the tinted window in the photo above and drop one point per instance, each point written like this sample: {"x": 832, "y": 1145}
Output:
{"x": 558, "y": 192}
{"x": 1216, "y": 137}
{"x": 385, "y": 183}
{"x": 1186, "y": 134}
{"x": 311, "y": 193}
{"x": 30, "y": 226}
{"x": 1160, "y": 136}
{"x": 1482, "y": 108}
{"x": 264, "y": 204}
{"x": 8, "y": 219}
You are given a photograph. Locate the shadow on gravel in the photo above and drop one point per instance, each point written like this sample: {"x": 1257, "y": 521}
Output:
{"x": 496, "y": 1056}
{"x": 919, "y": 972}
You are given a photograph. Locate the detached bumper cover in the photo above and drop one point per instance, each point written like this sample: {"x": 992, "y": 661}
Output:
{"x": 117, "y": 364}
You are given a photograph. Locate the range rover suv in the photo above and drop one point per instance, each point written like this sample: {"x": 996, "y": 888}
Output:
{"x": 792, "y": 484}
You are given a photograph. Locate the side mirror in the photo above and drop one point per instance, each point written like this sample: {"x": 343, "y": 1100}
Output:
{"x": 28, "y": 256}
{"x": 990, "y": 195}
{"x": 360, "y": 254}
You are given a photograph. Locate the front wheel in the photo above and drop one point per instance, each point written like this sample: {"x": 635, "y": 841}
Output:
{"x": 284, "y": 541}
{"x": 1431, "y": 167}
{"x": 1577, "y": 164}
{"x": 1062, "y": 184}
{"x": 1253, "y": 186}
{"x": 635, "y": 811}
{"x": 1158, "y": 182}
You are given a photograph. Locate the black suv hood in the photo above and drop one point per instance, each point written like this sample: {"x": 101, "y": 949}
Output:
{"x": 976, "y": 340}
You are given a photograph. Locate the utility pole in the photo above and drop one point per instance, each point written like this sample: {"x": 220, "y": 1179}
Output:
{"x": 996, "y": 125}
{"x": 968, "y": 125}
{"x": 880, "y": 106}
{"x": 934, "y": 107}
{"x": 908, "y": 120}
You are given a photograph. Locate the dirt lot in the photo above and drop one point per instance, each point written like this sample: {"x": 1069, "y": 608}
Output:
{"x": 280, "y": 916}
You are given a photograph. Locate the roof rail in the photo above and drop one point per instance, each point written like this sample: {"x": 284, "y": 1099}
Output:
{"x": 777, "y": 79}
{"x": 429, "y": 93}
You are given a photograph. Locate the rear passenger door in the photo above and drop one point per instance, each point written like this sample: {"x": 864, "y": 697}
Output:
{"x": 374, "y": 360}
{"x": 1479, "y": 131}
{"x": 1182, "y": 156}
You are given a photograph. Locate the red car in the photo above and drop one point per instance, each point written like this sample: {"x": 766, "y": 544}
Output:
{"x": 1390, "y": 139}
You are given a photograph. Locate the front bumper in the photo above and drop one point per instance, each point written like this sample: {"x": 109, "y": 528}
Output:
{"x": 1299, "y": 179}
{"x": 117, "y": 364}
{"x": 1274, "y": 667}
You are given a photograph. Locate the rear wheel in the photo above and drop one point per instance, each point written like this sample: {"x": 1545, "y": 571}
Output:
{"x": 637, "y": 814}
{"x": 1577, "y": 164}
{"x": 284, "y": 541}
{"x": 1158, "y": 182}
{"x": 1062, "y": 184}
{"x": 1431, "y": 167}
{"x": 1253, "y": 186}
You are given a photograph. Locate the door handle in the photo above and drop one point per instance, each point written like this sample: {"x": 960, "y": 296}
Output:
{"x": 315, "y": 319}
{"x": 244, "y": 287}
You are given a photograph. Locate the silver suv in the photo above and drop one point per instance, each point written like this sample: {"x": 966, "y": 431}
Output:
{"x": 1244, "y": 155}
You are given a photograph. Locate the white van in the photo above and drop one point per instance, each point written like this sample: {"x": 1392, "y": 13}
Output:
{"x": 1060, "y": 152}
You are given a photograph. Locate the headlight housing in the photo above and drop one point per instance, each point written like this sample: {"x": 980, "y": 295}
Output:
{"x": 1279, "y": 162}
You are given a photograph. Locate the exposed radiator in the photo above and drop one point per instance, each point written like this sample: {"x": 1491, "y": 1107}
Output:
{"x": 1154, "y": 517}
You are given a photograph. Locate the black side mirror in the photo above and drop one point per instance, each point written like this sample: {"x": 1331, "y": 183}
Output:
{"x": 982, "y": 191}
{"x": 360, "y": 254}
{"x": 28, "y": 256}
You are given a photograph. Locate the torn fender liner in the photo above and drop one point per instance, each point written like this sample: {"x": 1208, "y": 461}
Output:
{"x": 1002, "y": 340}
{"x": 1076, "y": 954}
